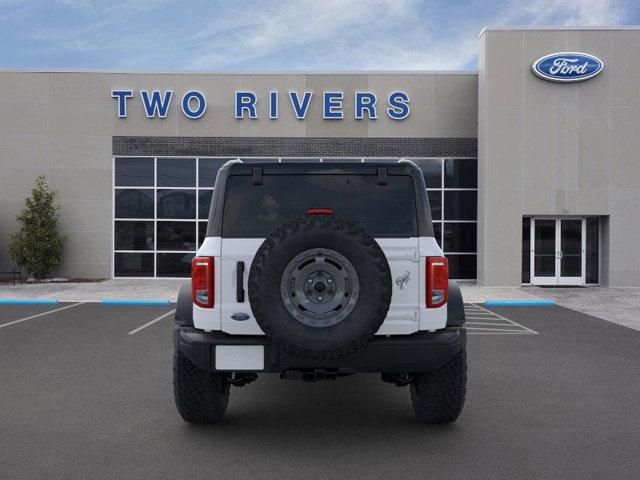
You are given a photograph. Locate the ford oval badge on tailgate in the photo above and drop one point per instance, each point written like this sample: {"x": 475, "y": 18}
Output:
{"x": 567, "y": 66}
{"x": 240, "y": 317}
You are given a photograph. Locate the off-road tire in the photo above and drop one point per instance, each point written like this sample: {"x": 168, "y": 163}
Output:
{"x": 201, "y": 397}
{"x": 438, "y": 397}
{"x": 374, "y": 276}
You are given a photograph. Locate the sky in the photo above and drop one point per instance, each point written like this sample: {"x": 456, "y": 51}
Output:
{"x": 277, "y": 35}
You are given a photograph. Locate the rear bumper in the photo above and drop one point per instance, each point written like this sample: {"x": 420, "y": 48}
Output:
{"x": 419, "y": 352}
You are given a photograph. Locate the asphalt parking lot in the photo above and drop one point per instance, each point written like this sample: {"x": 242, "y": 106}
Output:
{"x": 86, "y": 394}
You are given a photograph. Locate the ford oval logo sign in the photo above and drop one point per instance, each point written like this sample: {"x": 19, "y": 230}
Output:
{"x": 241, "y": 317}
{"x": 567, "y": 66}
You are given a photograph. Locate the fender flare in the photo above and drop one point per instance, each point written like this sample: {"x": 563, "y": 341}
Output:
{"x": 455, "y": 306}
{"x": 184, "y": 307}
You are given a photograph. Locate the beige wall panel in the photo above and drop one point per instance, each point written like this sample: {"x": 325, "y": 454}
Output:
{"x": 20, "y": 87}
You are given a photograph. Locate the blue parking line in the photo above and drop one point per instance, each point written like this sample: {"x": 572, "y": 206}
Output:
{"x": 28, "y": 301}
{"x": 518, "y": 303}
{"x": 115, "y": 301}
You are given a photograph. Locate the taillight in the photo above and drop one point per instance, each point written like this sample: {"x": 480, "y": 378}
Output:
{"x": 202, "y": 281}
{"x": 437, "y": 281}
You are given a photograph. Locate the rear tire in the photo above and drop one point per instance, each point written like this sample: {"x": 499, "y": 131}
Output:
{"x": 438, "y": 397}
{"x": 201, "y": 397}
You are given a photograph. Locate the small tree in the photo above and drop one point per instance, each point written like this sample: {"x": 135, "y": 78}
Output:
{"x": 38, "y": 246}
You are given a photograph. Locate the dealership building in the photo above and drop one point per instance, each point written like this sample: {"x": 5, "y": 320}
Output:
{"x": 532, "y": 163}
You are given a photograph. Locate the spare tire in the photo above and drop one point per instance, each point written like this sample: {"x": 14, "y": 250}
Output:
{"x": 320, "y": 287}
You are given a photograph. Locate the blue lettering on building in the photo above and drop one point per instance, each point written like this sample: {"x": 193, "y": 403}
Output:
{"x": 246, "y": 102}
{"x": 300, "y": 107}
{"x": 398, "y": 105}
{"x": 200, "y": 100}
{"x": 156, "y": 104}
{"x": 332, "y": 105}
{"x": 273, "y": 105}
{"x": 365, "y": 101}
{"x": 122, "y": 96}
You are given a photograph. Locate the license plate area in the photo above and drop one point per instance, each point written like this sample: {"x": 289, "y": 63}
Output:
{"x": 239, "y": 357}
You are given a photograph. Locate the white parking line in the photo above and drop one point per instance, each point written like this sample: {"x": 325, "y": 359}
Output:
{"x": 489, "y": 324}
{"x": 496, "y": 329}
{"x": 164, "y": 315}
{"x": 491, "y": 332}
{"x": 39, "y": 315}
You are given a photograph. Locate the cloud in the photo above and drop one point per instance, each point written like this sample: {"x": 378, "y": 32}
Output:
{"x": 285, "y": 34}
{"x": 385, "y": 35}
{"x": 569, "y": 12}
{"x": 337, "y": 35}
{"x": 281, "y": 26}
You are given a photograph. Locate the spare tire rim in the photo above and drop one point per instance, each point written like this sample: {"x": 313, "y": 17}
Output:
{"x": 320, "y": 287}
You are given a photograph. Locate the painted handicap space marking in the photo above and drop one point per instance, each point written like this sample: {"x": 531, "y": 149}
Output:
{"x": 483, "y": 321}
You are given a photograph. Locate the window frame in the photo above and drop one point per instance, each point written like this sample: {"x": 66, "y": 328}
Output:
{"x": 442, "y": 189}
{"x": 155, "y": 218}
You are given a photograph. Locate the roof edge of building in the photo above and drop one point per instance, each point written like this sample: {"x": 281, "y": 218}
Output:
{"x": 560, "y": 27}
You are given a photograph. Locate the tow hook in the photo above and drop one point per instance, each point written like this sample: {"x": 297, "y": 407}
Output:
{"x": 309, "y": 375}
{"x": 240, "y": 379}
{"x": 398, "y": 379}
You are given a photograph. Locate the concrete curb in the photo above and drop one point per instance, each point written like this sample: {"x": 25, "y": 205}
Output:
{"x": 28, "y": 301}
{"x": 115, "y": 301}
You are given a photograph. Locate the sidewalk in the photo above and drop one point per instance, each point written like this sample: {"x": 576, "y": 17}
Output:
{"x": 614, "y": 304}
{"x": 472, "y": 293}
{"x": 120, "y": 289}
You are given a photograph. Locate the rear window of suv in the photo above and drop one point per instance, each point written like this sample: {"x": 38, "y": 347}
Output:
{"x": 254, "y": 211}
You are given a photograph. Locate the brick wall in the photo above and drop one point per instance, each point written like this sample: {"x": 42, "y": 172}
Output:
{"x": 294, "y": 146}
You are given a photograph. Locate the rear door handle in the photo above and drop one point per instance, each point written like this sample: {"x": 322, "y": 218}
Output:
{"x": 240, "y": 282}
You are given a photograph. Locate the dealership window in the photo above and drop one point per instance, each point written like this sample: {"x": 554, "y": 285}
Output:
{"x": 526, "y": 250}
{"x": 592, "y": 250}
{"x": 452, "y": 189}
{"x": 158, "y": 203}
{"x": 161, "y": 206}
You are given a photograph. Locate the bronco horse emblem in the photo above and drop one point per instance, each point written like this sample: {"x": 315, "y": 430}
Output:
{"x": 403, "y": 279}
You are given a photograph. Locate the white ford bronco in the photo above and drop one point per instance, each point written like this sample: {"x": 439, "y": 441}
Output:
{"x": 316, "y": 271}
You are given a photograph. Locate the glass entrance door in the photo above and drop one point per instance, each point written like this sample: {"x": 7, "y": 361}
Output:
{"x": 572, "y": 249}
{"x": 544, "y": 252}
{"x": 558, "y": 251}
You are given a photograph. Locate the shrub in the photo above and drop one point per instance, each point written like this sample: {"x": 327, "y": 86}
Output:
{"x": 37, "y": 246}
